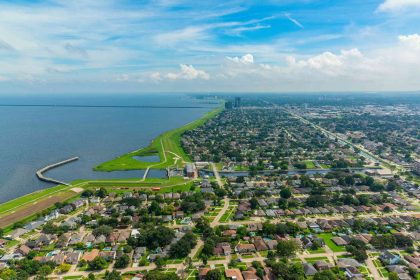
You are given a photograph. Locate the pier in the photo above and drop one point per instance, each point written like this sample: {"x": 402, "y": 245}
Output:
{"x": 40, "y": 172}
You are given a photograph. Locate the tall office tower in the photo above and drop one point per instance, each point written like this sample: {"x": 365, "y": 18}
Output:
{"x": 237, "y": 102}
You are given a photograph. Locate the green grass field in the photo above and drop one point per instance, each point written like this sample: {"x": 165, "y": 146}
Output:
{"x": 166, "y": 145}
{"x": 327, "y": 238}
{"x": 313, "y": 260}
{"x": 310, "y": 164}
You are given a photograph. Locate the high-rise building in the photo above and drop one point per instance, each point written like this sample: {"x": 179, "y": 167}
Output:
{"x": 228, "y": 105}
{"x": 237, "y": 102}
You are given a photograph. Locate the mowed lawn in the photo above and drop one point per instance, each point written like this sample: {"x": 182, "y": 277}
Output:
{"x": 172, "y": 184}
{"x": 310, "y": 164}
{"x": 327, "y": 238}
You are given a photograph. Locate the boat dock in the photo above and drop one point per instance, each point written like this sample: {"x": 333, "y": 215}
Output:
{"x": 40, "y": 172}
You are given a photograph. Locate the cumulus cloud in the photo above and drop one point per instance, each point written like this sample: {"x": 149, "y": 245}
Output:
{"x": 397, "y": 5}
{"x": 327, "y": 62}
{"x": 392, "y": 68}
{"x": 156, "y": 76}
{"x": 188, "y": 72}
{"x": 246, "y": 59}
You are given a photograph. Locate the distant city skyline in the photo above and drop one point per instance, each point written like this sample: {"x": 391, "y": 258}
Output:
{"x": 61, "y": 47}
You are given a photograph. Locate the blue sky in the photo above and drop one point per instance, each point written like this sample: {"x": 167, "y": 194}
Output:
{"x": 106, "y": 46}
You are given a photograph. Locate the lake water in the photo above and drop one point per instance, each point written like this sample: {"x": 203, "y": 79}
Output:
{"x": 153, "y": 158}
{"x": 33, "y": 137}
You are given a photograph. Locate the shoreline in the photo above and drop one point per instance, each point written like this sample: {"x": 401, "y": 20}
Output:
{"x": 169, "y": 141}
{"x": 166, "y": 145}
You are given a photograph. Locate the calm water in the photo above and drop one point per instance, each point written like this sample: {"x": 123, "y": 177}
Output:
{"x": 33, "y": 137}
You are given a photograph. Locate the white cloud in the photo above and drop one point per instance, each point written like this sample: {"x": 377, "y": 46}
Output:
{"x": 393, "y": 68}
{"x": 246, "y": 59}
{"x": 397, "y": 5}
{"x": 156, "y": 76}
{"x": 188, "y": 72}
{"x": 411, "y": 41}
{"x": 293, "y": 20}
{"x": 179, "y": 36}
{"x": 239, "y": 30}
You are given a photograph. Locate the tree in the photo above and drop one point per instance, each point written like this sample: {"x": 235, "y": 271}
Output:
{"x": 102, "y": 230}
{"x": 44, "y": 270}
{"x": 349, "y": 180}
{"x": 193, "y": 203}
{"x": 316, "y": 200}
{"x": 369, "y": 181}
{"x": 63, "y": 268}
{"x": 383, "y": 241}
{"x": 358, "y": 249}
{"x": 292, "y": 271}
{"x": 183, "y": 247}
{"x": 393, "y": 276}
{"x": 102, "y": 193}
{"x": 403, "y": 241}
{"x": 376, "y": 187}
{"x": 160, "y": 262}
{"x": 98, "y": 263}
{"x": 122, "y": 262}
{"x": 286, "y": 193}
{"x": 113, "y": 275}
{"x": 8, "y": 273}
{"x": 214, "y": 274}
{"x": 127, "y": 249}
{"x": 155, "y": 208}
{"x": 300, "y": 165}
{"x": 91, "y": 276}
{"x": 87, "y": 193}
{"x": 1, "y": 232}
{"x": 156, "y": 237}
{"x": 253, "y": 203}
{"x": 208, "y": 247}
{"x": 260, "y": 269}
{"x": 287, "y": 248}
{"x": 188, "y": 262}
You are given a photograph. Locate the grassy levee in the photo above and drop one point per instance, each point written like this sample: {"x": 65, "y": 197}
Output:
{"x": 167, "y": 145}
{"x": 173, "y": 184}
{"x": 24, "y": 200}
{"x": 148, "y": 182}
{"x": 29, "y": 208}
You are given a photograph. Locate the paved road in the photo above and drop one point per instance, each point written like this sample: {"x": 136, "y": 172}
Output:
{"x": 217, "y": 175}
{"x": 373, "y": 270}
{"x": 359, "y": 147}
{"x": 216, "y": 220}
